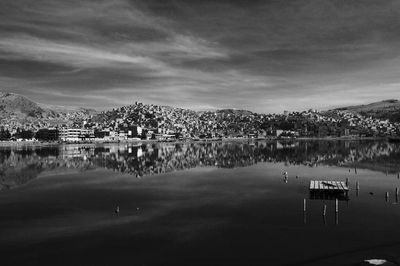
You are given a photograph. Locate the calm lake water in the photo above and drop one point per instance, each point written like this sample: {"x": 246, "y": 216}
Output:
{"x": 198, "y": 204}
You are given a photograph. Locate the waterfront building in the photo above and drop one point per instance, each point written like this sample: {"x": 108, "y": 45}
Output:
{"x": 76, "y": 134}
{"x": 134, "y": 132}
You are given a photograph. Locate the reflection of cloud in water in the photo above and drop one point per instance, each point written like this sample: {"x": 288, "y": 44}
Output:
{"x": 21, "y": 164}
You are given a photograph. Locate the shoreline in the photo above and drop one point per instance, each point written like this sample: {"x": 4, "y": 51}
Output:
{"x": 96, "y": 142}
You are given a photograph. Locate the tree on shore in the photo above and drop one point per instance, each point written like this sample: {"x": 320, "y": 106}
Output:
{"x": 5, "y": 135}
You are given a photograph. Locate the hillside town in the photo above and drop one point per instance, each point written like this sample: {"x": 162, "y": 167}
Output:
{"x": 163, "y": 123}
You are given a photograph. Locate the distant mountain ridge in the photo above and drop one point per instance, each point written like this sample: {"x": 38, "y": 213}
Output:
{"x": 387, "y": 109}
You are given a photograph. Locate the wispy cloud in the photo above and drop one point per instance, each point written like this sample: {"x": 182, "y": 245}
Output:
{"x": 25, "y": 47}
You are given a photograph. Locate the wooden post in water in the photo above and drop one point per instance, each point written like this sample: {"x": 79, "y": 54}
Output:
{"x": 304, "y": 205}
{"x": 336, "y": 211}
{"x": 397, "y": 195}
{"x": 336, "y": 205}
{"x": 387, "y": 196}
{"x": 304, "y": 211}
{"x": 347, "y": 182}
{"x": 357, "y": 188}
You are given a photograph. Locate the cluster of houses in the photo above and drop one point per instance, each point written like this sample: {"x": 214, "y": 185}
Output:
{"x": 334, "y": 123}
{"x": 66, "y": 134}
{"x": 374, "y": 125}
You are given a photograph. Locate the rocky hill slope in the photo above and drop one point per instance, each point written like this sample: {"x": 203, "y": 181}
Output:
{"x": 387, "y": 109}
{"x": 18, "y": 110}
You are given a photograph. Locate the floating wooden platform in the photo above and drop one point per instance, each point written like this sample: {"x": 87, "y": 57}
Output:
{"x": 328, "y": 185}
{"x": 329, "y": 190}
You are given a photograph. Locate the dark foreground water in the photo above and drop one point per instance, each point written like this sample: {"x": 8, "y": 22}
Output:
{"x": 197, "y": 204}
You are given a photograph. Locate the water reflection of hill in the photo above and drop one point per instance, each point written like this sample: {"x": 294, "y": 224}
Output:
{"x": 19, "y": 165}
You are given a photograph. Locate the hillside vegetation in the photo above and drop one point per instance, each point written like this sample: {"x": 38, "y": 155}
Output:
{"x": 388, "y": 109}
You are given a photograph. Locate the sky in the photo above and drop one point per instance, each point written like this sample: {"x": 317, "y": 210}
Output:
{"x": 264, "y": 56}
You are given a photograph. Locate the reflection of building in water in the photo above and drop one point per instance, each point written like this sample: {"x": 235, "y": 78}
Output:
{"x": 149, "y": 159}
{"x": 71, "y": 151}
{"x": 286, "y": 145}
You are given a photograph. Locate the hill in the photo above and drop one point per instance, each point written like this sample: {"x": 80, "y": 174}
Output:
{"x": 18, "y": 104}
{"x": 19, "y": 111}
{"x": 387, "y": 109}
{"x": 170, "y": 119}
{"x": 67, "y": 109}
